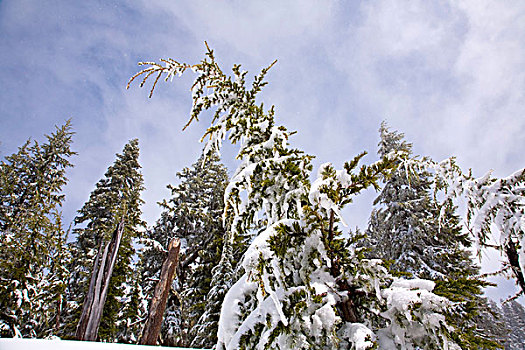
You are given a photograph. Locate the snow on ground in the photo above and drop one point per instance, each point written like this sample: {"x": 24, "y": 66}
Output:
{"x": 43, "y": 344}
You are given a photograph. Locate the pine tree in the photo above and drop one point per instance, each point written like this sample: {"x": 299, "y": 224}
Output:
{"x": 53, "y": 300}
{"x": 115, "y": 199}
{"x": 514, "y": 317}
{"x": 490, "y": 203}
{"x": 491, "y": 320}
{"x": 194, "y": 214}
{"x": 132, "y": 315}
{"x": 204, "y": 333}
{"x": 412, "y": 231}
{"x": 403, "y": 232}
{"x": 303, "y": 285}
{"x": 31, "y": 182}
{"x": 424, "y": 239}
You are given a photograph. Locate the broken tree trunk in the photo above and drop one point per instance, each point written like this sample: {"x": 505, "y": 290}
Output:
{"x": 89, "y": 322}
{"x": 157, "y": 306}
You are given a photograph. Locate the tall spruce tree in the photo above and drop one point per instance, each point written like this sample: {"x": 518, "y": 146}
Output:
{"x": 409, "y": 228}
{"x": 423, "y": 238}
{"x": 115, "y": 199}
{"x": 303, "y": 285}
{"x": 31, "y": 182}
{"x": 194, "y": 214}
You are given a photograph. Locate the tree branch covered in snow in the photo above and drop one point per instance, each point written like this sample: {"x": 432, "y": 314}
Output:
{"x": 304, "y": 285}
{"x": 495, "y": 209}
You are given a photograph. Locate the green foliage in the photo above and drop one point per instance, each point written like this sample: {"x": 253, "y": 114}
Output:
{"x": 301, "y": 285}
{"x": 52, "y": 300}
{"x": 490, "y": 203}
{"x": 513, "y": 315}
{"x": 130, "y": 317}
{"x": 194, "y": 214}
{"x": 115, "y": 196}
{"x": 421, "y": 237}
{"x": 31, "y": 182}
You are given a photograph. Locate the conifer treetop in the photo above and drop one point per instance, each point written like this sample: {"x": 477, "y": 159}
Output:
{"x": 299, "y": 270}
{"x": 31, "y": 182}
{"x": 489, "y": 201}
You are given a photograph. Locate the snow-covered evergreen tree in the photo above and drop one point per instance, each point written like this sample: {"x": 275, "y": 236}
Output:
{"x": 304, "y": 285}
{"x": 491, "y": 320}
{"x": 514, "y": 318}
{"x": 404, "y": 229}
{"x": 31, "y": 182}
{"x": 115, "y": 197}
{"x": 490, "y": 203}
{"x": 53, "y": 300}
{"x": 131, "y": 317}
{"x": 224, "y": 274}
{"x": 500, "y": 202}
{"x": 194, "y": 214}
{"x": 423, "y": 238}
{"x": 411, "y": 230}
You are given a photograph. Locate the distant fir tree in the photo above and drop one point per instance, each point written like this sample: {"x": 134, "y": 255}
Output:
{"x": 133, "y": 313}
{"x": 420, "y": 237}
{"x": 116, "y": 196}
{"x": 223, "y": 275}
{"x": 409, "y": 229}
{"x": 31, "y": 183}
{"x": 302, "y": 284}
{"x": 194, "y": 214}
{"x": 491, "y": 320}
{"x": 514, "y": 319}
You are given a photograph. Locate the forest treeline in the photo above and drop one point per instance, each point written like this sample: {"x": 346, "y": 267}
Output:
{"x": 47, "y": 267}
{"x": 270, "y": 243}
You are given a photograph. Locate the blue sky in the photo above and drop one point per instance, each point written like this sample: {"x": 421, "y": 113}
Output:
{"x": 449, "y": 74}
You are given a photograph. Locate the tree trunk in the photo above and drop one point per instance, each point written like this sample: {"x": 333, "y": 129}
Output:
{"x": 89, "y": 322}
{"x": 157, "y": 306}
{"x": 513, "y": 256}
{"x": 88, "y": 301}
{"x": 59, "y": 314}
{"x": 346, "y": 307}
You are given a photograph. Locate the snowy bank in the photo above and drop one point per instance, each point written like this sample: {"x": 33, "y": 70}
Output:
{"x": 43, "y": 344}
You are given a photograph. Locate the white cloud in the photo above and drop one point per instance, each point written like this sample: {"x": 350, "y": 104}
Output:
{"x": 492, "y": 65}
{"x": 255, "y": 28}
{"x": 449, "y": 74}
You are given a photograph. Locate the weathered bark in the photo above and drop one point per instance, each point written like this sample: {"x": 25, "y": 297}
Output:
{"x": 157, "y": 306}
{"x": 346, "y": 307}
{"x": 88, "y": 301}
{"x": 513, "y": 256}
{"x": 87, "y": 328}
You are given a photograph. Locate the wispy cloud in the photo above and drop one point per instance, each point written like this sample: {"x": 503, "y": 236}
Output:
{"x": 449, "y": 74}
